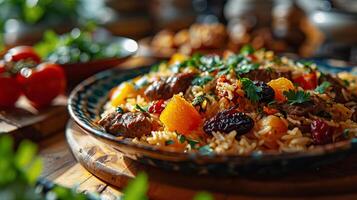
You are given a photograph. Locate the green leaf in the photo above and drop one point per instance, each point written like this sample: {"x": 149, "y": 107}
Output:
{"x": 137, "y": 188}
{"x": 203, "y": 196}
{"x": 247, "y": 49}
{"x": 169, "y": 142}
{"x": 192, "y": 143}
{"x": 33, "y": 14}
{"x": 48, "y": 44}
{"x": 245, "y": 68}
{"x": 198, "y": 100}
{"x": 346, "y": 82}
{"x": 155, "y": 68}
{"x": 119, "y": 110}
{"x": 205, "y": 150}
{"x": 34, "y": 170}
{"x": 250, "y": 89}
{"x": 182, "y": 138}
{"x": 63, "y": 193}
{"x": 322, "y": 87}
{"x": 6, "y": 146}
{"x": 346, "y": 133}
{"x": 297, "y": 97}
{"x": 139, "y": 108}
{"x": 25, "y": 154}
{"x": 202, "y": 80}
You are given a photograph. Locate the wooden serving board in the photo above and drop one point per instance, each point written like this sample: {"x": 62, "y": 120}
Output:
{"x": 24, "y": 121}
{"x": 112, "y": 167}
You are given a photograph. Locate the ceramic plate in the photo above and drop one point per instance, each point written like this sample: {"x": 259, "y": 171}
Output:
{"x": 86, "y": 104}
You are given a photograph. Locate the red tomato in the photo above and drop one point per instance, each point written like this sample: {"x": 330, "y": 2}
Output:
{"x": 43, "y": 83}
{"x": 2, "y": 67}
{"x": 22, "y": 53}
{"x": 10, "y": 91}
{"x": 307, "y": 81}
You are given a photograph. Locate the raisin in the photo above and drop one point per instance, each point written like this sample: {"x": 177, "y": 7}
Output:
{"x": 321, "y": 132}
{"x": 267, "y": 94}
{"x": 227, "y": 121}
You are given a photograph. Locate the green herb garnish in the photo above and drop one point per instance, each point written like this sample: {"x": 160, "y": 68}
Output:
{"x": 182, "y": 138}
{"x": 269, "y": 69}
{"x": 346, "y": 82}
{"x": 202, "y": 80}
{"x": 155, "y": 68}
{"x": 297, "y": 97}
{"x": 245, "y": 68}
{"x": 198, "y": 100}
{"x": 250, "y": 89}
{"x": 346, "y": 133}
{"x": 322, "y": 87}
{"x": 205, "y": 150}
{"x": 247, "y": 49}
{"x": 192, "y": 143}
{"x": 139, "y": 108}
{"x": 169, "y": 142}
{"x": 119, "y": 110}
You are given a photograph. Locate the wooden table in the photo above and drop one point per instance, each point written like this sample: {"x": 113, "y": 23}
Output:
{"x": 61, "y": 167}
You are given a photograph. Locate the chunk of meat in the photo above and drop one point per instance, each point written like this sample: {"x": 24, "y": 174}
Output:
{"x": 315, "y": 106}
{"x": 165, "y": 88}
{"x": 337, "y": 87}
{"x": 266, "y": 75}
{"x": 130, "y": 124}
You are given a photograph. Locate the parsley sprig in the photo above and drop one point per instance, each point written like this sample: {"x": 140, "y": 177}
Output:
{"x": 202, "y": 80}
{"x": 297, "y": 97}
{"x": 250, "y": 89}
{"x": 322, "y": 87}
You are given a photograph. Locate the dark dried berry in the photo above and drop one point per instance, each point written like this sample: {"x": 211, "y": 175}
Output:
{"x": 267, "y": 93}
{"x": 321, "y": 132}
{"x": 227, "y": 121}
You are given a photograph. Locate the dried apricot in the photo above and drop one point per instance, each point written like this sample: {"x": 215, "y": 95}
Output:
{"x": 280, "y": 85}
{"x": 277, "y": 129}
{"x": 179, "y": 115}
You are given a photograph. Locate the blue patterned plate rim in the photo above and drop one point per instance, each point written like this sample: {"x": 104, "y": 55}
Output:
{"x": 73, "y": 107}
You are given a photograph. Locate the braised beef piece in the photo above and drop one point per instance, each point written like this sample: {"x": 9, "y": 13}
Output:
{"x": 315, "y": 107}
{"x": 165, "y": 88}
{"x": 298, "y": 109}
{"x": 266, "y": 75}
{"x": 301, "y": 122}
{"x": 130, "y": 124}
{"x": 337, "y": 87}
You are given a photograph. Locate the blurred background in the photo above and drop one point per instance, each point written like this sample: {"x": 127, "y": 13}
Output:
{"x": 305, "y": 28}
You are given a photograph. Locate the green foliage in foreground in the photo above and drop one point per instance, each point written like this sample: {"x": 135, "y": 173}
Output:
{"x": 20, "y": 170}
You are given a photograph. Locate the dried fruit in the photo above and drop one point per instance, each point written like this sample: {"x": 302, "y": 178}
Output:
{"x": 278, "y": 129}
{"x": 229, "y": 120}
{"x": 157, "y": 107}
{"x": 179, "y": 115}
{"x": 321, "y": 132}
{"x": 279, "y": 86}
{"x": 267, "y": 93}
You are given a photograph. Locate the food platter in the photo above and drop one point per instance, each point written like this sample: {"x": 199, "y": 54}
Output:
{"x": 86, "y": 104}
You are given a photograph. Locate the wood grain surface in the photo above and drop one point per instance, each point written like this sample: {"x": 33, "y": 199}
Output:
{"x": 24, "y": 121}
{"x": 328, "y": 182}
